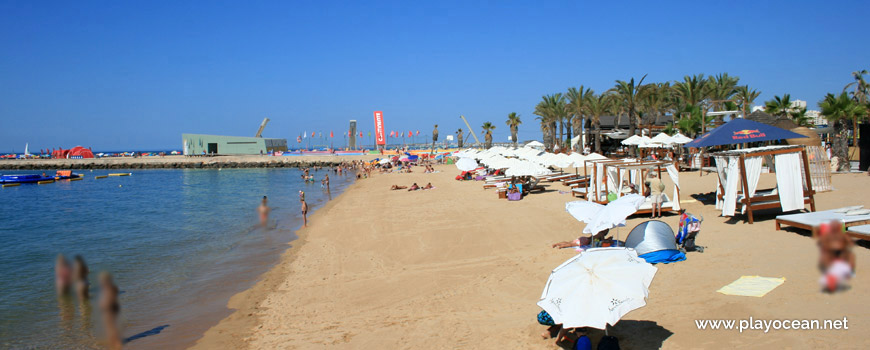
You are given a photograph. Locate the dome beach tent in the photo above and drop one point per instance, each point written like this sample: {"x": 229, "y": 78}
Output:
{"x": 655, "y": 242}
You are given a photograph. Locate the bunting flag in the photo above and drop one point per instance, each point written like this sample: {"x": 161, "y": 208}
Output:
{"x": 370, "y": 134}
{"x": 418, "y": 132}
{"x": 304, "y": 134}
{"x": 298, "y": 139}
{"x": 410, "y": 134}
{"x": 313, "y": 134}
{"x": 360, "y": 134}
{"x": 331, "y": 134}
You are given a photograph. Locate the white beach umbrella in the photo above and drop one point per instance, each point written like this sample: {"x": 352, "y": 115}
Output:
{"x": 632, "y": 140}
{"x": 577, "y": 159}
{"x": 597, "y": 288}
{"x": 466, "y": 164}
{"x": 384, "y": 161}
{"x": 662, "y": 139}
{"x": 595, "y": 156}
{"x": 680, "y": 139}
{"x": 534, "y": 144}
{"x": 602, "y": 217}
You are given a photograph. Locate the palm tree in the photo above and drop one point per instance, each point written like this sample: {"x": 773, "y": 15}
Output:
{"x": 434, "y": 136}
{"x": 552, "y": 109}
{"x": 692, "y": 90}
{"x": 513, "y": 121}
{"x": 746, "y": 97}
{"x": 627, "y": 92}
{"x": 860, "y": 95}
{"x": 459, "y": 137}
{"x": 723, "y": 87}
{"x": 799, "y": 116}
{"x": 487, "y": 130}
{"x": 595, "y": 107}
{"x": 841, "y": 110}
{"x": 779, "y": 106}
{"x": 576, "y": 99}
{"x": 656, "y": 98}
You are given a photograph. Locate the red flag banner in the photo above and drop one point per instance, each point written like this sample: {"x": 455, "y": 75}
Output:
{"x": 410, "y": 134}
{"x": 380, "y": 136}
{"x": 331, "y": 134}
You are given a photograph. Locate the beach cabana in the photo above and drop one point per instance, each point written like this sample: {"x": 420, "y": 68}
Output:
{"x": 739, "y": 131}
{"x": 739, "y": 171}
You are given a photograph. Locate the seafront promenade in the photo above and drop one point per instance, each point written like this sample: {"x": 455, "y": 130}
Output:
{"x": 180, "y": 162}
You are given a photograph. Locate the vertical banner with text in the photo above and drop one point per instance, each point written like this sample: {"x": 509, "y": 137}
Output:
{"x": 380, "y": 138}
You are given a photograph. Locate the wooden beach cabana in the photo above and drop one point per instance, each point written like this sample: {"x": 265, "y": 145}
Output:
{"x": 740, "y": 170}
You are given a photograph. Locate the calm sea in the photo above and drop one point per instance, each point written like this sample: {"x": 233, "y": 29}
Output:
{"x": 178, "y": 242}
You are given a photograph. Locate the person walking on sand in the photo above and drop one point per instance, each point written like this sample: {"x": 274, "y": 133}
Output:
{"x": 264, "y": 210}
{"x": 304, "y": 212}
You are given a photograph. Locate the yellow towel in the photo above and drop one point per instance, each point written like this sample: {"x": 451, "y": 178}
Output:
{"x": 752, "y": 286}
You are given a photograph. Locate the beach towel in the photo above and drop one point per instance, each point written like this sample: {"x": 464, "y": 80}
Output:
{"x": 752, "y": 286}
{"x": 666, "y": 256}
{"x": 514, "y": 196}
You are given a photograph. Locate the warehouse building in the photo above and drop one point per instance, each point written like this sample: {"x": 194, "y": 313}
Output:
{"x": 196, "y": 144}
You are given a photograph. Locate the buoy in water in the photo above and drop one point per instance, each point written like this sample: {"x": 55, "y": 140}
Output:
{"x": 101, "y": 177}
{"x": 11, "y": 185}
{"x": 45, "y": 182}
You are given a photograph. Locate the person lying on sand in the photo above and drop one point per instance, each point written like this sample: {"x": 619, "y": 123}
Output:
{"x": 560, "y": 333}
{"x": 397, "y": 187}
{"x": 582, "y": 241}
{"x": 414, "y": 187}
{"x": 428, "y": 186}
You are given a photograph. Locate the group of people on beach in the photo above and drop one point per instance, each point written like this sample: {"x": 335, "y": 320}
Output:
{"x": 413, "y": 187}
{"x": 72, "y": 278}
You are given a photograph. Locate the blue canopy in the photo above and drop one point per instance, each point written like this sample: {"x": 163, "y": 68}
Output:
{"x": 741, "y": 130}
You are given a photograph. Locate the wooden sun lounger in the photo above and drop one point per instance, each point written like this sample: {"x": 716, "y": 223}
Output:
{"x": 558, "y": 177}
{"x": 812, "y": 221}
{"x": 576, "y": 181}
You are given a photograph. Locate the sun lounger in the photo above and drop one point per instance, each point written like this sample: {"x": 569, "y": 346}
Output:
{"x": 860, "y": 232}
{"x": 812, "y": 221}
{"x": 579, "y": 192}
{"x": 646, "y": 206}
{"x": 559, "y": 177}
{"x": 576, "y": 181}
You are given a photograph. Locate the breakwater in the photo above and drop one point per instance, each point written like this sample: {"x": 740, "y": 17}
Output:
{"x": 179, "y": 162}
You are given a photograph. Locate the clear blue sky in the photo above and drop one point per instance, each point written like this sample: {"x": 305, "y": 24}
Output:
{"x": 119, "y": 75}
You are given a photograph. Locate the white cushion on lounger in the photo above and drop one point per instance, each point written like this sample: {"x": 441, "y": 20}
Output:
{"x": 819, "y": 217}
{"x": 863, "y": 229}
{"x": 666, "y": 203}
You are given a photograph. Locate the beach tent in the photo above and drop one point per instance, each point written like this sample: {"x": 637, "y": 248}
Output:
{"x": 741, "y": 130}
{"x": 655, "y": 242}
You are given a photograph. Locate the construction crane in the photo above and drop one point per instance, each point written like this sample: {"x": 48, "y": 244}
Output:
{"x": 470, "y": 130}
{"x": 262, "y": 126}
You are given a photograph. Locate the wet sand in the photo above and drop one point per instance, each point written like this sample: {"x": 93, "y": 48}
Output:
{"x": 454, "y": 267}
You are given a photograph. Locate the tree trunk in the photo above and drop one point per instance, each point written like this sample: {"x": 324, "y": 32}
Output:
{"x": 588, "y": 135}
{"x": 514, "y": 131}
{"x": 553, "y": 134}
{"x": 840, "y": 147}
{"x": 631, "y": 131}
{"x": 597, "y": 127}
{"x": 561, "y": 131}
{"x": 568, "y": 126}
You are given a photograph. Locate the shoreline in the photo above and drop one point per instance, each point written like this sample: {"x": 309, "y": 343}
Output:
{"x": 181, "y": 162}
{"x": 233, "y": 330}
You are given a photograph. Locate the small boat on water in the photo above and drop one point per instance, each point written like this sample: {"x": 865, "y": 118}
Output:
{"x": 36, "y": 178}
{"x": 24, "y": 178}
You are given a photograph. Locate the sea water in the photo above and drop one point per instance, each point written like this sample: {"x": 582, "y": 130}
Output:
{"x": 178, "y": 243}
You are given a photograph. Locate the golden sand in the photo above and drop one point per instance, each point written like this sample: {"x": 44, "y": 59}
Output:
{"x": 457, "y": 268}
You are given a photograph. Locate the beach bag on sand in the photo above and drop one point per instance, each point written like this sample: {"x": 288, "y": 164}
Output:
{"x": 608, "y": 342}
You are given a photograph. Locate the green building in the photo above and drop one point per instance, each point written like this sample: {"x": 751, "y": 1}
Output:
{"x": 195, "y": 144}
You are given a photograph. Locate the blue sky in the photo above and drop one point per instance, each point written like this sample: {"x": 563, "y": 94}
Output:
{"x": 135, "y": 75}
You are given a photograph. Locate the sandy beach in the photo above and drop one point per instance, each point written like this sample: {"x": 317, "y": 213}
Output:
{"x": 457, "y": 268}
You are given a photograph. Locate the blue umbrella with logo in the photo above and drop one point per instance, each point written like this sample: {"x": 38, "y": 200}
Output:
{"x": 741, "y": 130}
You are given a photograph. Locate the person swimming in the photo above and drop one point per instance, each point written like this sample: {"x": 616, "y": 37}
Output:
{"x": 264, "y": 210}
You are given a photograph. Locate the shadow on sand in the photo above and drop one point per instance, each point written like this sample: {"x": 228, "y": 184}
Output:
{"x": 631, "y": 334}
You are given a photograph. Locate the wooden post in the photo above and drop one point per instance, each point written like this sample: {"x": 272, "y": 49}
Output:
{"x": 808, "y": 180}
{"x": 747, "y": 200}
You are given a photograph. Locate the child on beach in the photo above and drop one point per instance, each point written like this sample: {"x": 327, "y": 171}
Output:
{"x": 836, "y": 260}
{"x": 264, "y": 210}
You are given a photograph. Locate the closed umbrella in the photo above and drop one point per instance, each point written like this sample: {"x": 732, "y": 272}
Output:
{"x": 597, "y": 288}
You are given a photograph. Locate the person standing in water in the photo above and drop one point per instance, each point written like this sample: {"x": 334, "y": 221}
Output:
{"x": 110, "y": 308}
{"x": 304, "y": 211}
{"x": 326, "y": 181}
{"x": 80, "y": 277}
{"x": 62, "y": 275}
{"x": 264, "y": 210}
